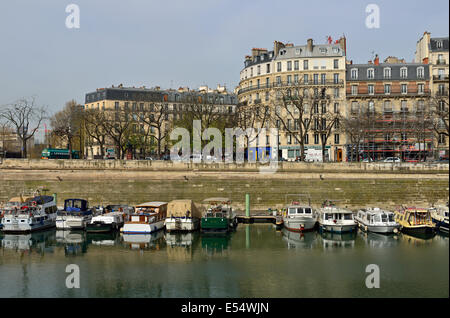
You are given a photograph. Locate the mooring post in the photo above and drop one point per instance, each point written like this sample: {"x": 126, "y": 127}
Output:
{"x": 55, "y": 198}
{"x": 247, "y": 205}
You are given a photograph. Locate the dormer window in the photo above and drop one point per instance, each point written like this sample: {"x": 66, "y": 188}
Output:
{"x": 439, "y": 44}
{"x": 298, "y": 51}
{"x": 420, "y": 72}
{"x": 354, "y": 73}
{"x": 323, "y": 50}
{"x": 387, "y": 72}
{"x": 403, "y": 72}
{"x": 370, "y": 73}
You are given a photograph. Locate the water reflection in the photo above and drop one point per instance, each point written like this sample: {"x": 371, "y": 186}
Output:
{"x": 103, "y": 239}
{"x": 180, "y": 246}
{"x": 153, "y": 241}
{"x": 299, "y": 240}
{"x": 332, "y": 240}
{"x": 37, "y": 242}
{"x": 74, "y": 242}
{"x": 216, "y": 243}
{"x": 376, "y": 240}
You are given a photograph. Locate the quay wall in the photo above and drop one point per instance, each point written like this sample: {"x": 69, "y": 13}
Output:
{"x": 131, "y": 182}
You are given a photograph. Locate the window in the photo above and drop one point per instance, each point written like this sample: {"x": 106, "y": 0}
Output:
{"x": 387, "y": 88}
{"x": 267, "y": 96}
{"x": 370, "y": 89}
{"x": 289, "y": 139}
{"x": 296, "y": 65}
{"x": 420, "y": 72}
{"x": 336, "y": 78}
{"x": 324, "y": 108}
{"x": 404, "y": 105}
{"x": 305, "y": 92}
{"x": 403, "y": 72}
{"x": 336, "y": 64}
{"x": 336, "y": 124}
{"x": 370, "y": 73}
{"x": 289, "y": 79}
{"x": 420, "y": 106}
{"x": 305, "y": 78}
{"x": 268, "y": 68}
{"x": 316, "y": 79}
{"x": 305, "y": 64}
{"x": 387, "y": 72}
{"x": 251, "y": 71}
{"x": 441, "y": 139}
{"x": 278, "y": 66}
{"x": 316, "y": 139}
{"x": 404, "y": 88}
{"x": 278, "y": 80}
{"x": 306, "y": 139}
{"x": 296, "y": 78}
{"x": 323, "y": 78}
{"x": 336, "y": 92}
{"x": 116, "y": 105}
{"x": 258, "y": 70}
{"x": 371, "y": 106}
{"x": 336, "y": 138}
{"x": 354, "y": 73}
{"x": 289, "y": 65}
{"x": 267, "y": 81}
{"x": 336, "y": 108}
{"x": 354, "y": 90}
{"x": 420, "y": 88}
{"x": 355, "y": 107}
{"x": 439, "y": 44}
{"x": 257, "y": 83}
{"x": 387, "y": 106}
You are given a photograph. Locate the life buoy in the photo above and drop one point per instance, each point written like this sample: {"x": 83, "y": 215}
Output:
{"x": 34, "y": 203}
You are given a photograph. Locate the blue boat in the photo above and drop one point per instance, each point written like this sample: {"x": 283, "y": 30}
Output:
{"x": 75, "y": 215}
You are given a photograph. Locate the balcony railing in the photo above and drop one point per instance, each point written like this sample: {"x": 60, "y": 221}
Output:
{"x": 440, "y": 77}
{"x": 391, "y": 94}
{"x": 442, "y": 92}
{"x": 441, "y": 62}
{"x": 291, "y": 84}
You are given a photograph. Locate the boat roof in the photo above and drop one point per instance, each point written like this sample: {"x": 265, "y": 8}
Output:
{"x": 218, "y": 199}
{"x": 42, "y": 199}
{"x": 21, "y": 199}
{"x": 335, "y": 209}
{"x": 413, "y": 209}
{"x": 375, "y": 211}
{"x": 153, "y": 204}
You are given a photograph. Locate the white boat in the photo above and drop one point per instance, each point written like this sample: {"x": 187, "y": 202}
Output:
{"x": 75, "y": 215}
{"x": 182, "y": 215}
{"x": 377, "y": 220}
{"x": 335, "y": 219}
{"x": 29, "y": 214}
{"x": 439, "y": 215}
{"x": 108, "y": 222}
{"x": 299, "y": 217}
{"x": 148, "y": 217}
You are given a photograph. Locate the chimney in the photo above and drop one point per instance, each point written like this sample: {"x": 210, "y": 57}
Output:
{"x": 277, "y": 46}
{"x": 343, "y": 44}
{"x": 377, "y": 60}
{"x": 309, "y": 45}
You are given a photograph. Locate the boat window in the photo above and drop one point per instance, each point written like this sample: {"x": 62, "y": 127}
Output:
{"x": 348, "y": 216}
{"x": 219, "y": 215}
{"x": 299, "y": 210}
{"x": 338, "y": 216}
{"x": 308, "y": 210}
{"x": 209, "y": 215}
{"x": 292, "y": 210}
{"x": 391, "y": 217}
{"x": 384, "y": 218}
{"x": 377, "y": 218}
{"x": 328, "y": 216}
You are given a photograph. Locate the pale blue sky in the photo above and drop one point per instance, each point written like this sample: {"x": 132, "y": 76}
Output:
{"x": 184, "y": 42}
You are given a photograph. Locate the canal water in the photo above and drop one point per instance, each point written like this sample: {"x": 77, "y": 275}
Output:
{"x": 255, "y": 261}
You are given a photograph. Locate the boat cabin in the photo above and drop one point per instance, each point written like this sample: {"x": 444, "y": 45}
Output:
{"x": 149, "y": 212}
{"x": 73, "y": 206}
{"x": 336, "y": 214}
{"x": 296, "y": 209}
{"x": 217, "y": 207}
{"x": 414, "y": 216}
{"x": 376, "y": 216}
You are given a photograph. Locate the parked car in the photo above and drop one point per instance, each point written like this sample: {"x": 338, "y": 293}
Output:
{"x": 392, "y": 159}
{"x": 368, "y": 160}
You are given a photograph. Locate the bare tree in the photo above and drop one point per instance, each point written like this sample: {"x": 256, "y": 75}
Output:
{"x": 66, "y": 123}
{"x": 156, "y": 117}
{"x": 117, "y": 125}
{"x": 440, "y": 116}
{"x": 26, "y": 118}
{"x": 93, "y": 126}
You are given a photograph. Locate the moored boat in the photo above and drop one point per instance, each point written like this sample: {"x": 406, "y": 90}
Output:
{"x": 335, "y": 219}
{"x": 147, "y": 218}
{"x": 182, "y": 215}
{"x": 299, "y": 217}
{"x": 377, "y": 220}
{"x": 219, "y": 216}
{"x": 75, "y": 215}
{"x": 415, "y": 221}
{"x": 29, "y": 214}
{"x": 107, "y": 222}
{"x": 439, "y": 216}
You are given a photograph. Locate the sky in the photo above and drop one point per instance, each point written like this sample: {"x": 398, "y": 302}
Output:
{"x": 173, "y": 43}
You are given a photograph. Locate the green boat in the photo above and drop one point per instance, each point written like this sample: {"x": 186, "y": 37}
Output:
{"x": 219, "y": 216}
